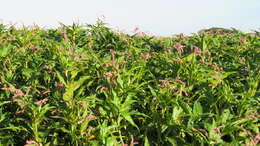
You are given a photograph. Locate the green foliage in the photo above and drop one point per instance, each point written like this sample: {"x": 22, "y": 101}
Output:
{"x": 89, "y": 85}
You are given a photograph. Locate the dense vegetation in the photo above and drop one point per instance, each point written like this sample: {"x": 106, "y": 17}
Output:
{"x": 89, "y": 85}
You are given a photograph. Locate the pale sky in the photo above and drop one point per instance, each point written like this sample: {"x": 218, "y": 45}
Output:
{"x": 158, "y": 17}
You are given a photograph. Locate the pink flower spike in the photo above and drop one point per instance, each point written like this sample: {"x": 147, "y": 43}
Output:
{"x": 32, "y": 142}
{"x": 17, "y": 100}
{"x": 109, "y": 74}
{"x": 80, "y": 121}
{"x": 18, "y": 93}
{"x": 42, "y": 102}
{"x": 46, "y": 92}
{"x": 77, "y": 59}
{"x": 103, "y": 89}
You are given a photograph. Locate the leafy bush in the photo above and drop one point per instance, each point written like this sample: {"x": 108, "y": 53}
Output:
{"x": 90, "y": 85}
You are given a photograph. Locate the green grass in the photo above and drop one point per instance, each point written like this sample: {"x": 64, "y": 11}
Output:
{"x": 89, "y": 85}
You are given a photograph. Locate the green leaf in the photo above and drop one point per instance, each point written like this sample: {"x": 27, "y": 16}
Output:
{"x": 185, "y": 107}
{"x": 146, "y": 141}
{"x": 177, "y": 111}
{"x": 225, "y": 115}
{"x": 120, "y": 81}
{"x": 27, "y": 72}
{"x": 61, "y": 79}
{"x": 172, "y": 141}
{"x": 73, "y": 86}
{"x": 197, "y": 108}
{"x": 152, "y": 91}
{"x": 3, "y": 52}
{"x": 130, "y": 120}
{"x": 111, "y": 141}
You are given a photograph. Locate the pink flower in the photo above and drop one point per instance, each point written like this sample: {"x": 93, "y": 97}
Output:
{"x": 82, "y": 133}
{"x": 107, "y": 64}
{"x": 204, "y": 132}
{"x": 80, "y": 121}
{"x": 185, "y": 92}
{"x": 217, "y": 129}
{"x": 83, "y": 56}
{"x": 8, "y": 89}
{"x": 18, "y": 93}
{"x": 46, "y": 92}
{"x": 35, "y": 48}
{"x": 17, "y": 100}
{"x": 59, "y": 84}
{"x": 32, "y": 142}
{"x": 197, "y": 51}
{"x": 133, "y": 142}
{"x": 125, "y": 41}
{"x": 108, "y": 74}
{"x": 77, "y": 58}
{"x": 145, "y": 56}
{"x": 55, "y": 111}
{"x": 256, "y": 139}
{"x": 179, "y": 81}
{"x": 179, "y": 47}
{"x": 41, "y": 102}
{"x": 253, "y": 116}
{"x": 46, "y": 67}
{"x": 177, "y": 60}
{"x": 103, "y": 89}
{"x": 165, "y": 83}
{"x": 91, "y": 117}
